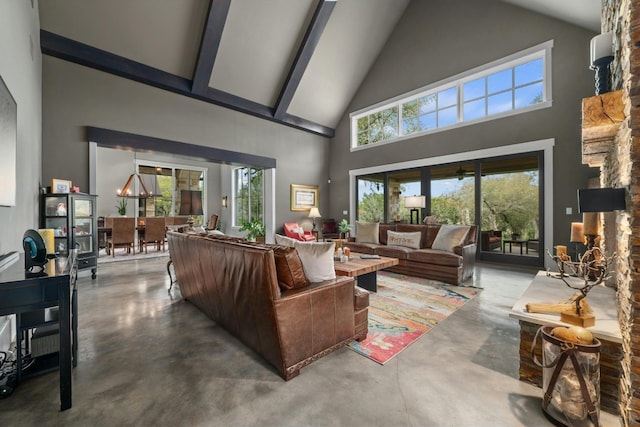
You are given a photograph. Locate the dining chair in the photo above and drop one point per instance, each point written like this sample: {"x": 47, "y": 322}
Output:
{"x": 123, "y": 235}
{"x": 154, "y": 232}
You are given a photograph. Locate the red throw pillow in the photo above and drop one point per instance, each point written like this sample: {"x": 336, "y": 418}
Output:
{"x": 289, "y": 268}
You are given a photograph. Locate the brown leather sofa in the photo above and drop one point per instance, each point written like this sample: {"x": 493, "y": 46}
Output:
{"x": 236, "y": 283}
{"x": 450, "y": 267}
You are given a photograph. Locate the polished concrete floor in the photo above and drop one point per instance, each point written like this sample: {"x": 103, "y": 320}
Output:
{"x": 148, "y": 358}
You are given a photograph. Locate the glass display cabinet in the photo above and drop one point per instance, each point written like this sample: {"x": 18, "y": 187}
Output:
{"x": 72, "y": 217}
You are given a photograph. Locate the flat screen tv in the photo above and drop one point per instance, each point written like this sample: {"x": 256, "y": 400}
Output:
{"x": 8, "y": 145}
{"x": 601, "y": 200}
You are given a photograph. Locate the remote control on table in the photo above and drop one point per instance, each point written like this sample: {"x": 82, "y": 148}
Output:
{"x": 370, "y": 256}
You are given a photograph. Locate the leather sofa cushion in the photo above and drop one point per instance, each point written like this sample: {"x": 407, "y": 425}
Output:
{"x": 360, "y": 298}
{"x": 384, "y": 228}
{"x": 433, "y": 256}
{"x": 362, "y": 248}
{"x": 399, "y": 252}
{"x": 289, "y": 268}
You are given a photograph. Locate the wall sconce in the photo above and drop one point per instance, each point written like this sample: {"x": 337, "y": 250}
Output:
{"x": 224, "y": 202}
{"x": 601, "y": 56}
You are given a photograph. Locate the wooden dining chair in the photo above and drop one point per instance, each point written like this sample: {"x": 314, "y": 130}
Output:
{"x": 154, "y": 232}
{"x": 123, "y": 235}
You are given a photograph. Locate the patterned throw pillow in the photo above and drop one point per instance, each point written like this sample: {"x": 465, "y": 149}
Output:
{"x": 367, "y": 232}
{"x": 410, "y": 240}
{"x": 450, "y": 236}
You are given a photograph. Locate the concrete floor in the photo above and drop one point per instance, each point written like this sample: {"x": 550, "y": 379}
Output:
{"x": 150, "y": 358}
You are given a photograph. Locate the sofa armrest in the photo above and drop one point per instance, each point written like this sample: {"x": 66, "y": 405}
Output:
{"x": 468, "y": 254}
{"x": 315, "y": 318}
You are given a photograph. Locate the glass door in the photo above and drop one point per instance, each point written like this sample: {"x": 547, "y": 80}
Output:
{"x": 83, "y": 225}
{"x": 453, "y": 193}
{"x": 371, "y": 190}
{"x": 403, "y": 184}
{"x": 510, "y": 210}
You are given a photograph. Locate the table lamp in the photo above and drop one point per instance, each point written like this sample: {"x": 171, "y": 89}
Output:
{"x": 190, "y": 204}
{"x": 414, "y": 202}
{"x": 313, "y": 214}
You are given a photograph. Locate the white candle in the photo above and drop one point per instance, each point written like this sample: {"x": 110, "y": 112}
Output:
{"x": 577, "y": 232}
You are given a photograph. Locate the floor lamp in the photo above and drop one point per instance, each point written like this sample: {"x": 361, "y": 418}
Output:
{"x": 415, "y": 203}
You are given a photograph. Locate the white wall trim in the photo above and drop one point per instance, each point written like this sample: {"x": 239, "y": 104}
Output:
{"x": 546, "y": 145}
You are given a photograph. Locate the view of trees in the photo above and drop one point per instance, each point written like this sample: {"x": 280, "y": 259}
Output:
{"x": 509, "y": 203}
{"x": 249, "y": 193}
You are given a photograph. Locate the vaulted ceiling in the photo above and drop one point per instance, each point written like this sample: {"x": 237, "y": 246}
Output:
{"x": 296, "y": 62}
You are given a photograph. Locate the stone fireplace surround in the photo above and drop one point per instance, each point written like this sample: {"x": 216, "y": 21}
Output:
{"x": 611, "y": 142}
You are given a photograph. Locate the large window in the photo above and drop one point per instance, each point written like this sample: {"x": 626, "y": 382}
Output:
{"x": 516, "y": 84}
{"x": 248, "y": 195}
{"x": 164, "y": 182}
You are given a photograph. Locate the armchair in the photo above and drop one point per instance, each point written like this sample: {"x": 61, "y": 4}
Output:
{"x": 330, "y": 229}
{"x": 294, "y": 231}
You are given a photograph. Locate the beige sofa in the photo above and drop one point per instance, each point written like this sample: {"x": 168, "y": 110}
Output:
{"x": 452, "y": 266}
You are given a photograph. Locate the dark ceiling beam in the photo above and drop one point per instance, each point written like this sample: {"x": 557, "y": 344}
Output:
{"x": 142, "y": 143}
{"x": 308, "y": 46}
{"x": 70, "y": 50}
{"x": 211, "y": 36}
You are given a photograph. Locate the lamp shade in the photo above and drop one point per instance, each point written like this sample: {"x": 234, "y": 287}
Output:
{"x": 601, "y": 200}
{"x": 190, "y": 202}
{"x": 591, "y": 223}
{"x": 415, "y": 201}
{"x": 314, "y": 213}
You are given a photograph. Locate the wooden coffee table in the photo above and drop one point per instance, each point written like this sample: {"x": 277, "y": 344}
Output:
{"x": 364, "y": 270}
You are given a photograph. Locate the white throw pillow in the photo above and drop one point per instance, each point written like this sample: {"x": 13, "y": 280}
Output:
{"x": 410, "y": 240}
{"x": 450, "y": 236}
{"x": 215, "y": 233}
{"x": 367, "y": 232}
{"x": 285, "y": 240}
{"x": 317, "y": 260}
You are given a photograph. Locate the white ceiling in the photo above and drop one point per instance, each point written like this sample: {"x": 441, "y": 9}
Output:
{"x": 259, "y": 42}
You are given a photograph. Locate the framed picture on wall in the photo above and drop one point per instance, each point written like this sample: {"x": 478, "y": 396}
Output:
{"x": 304, "y": 197}
{"x": 60, "y": 186}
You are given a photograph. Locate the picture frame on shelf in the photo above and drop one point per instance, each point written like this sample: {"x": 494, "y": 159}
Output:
{"x": 304, "y": 197}
{"x": 60, "y": 186}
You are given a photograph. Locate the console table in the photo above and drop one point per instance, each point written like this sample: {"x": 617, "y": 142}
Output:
{"x": 22, "y": 292}
{"x": 546, "y": 289}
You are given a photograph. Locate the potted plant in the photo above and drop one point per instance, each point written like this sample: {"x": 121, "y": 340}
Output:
{"x": 254, "y": 229}
{"x": 344, "y": 228}
{"x": 122, "y": 206}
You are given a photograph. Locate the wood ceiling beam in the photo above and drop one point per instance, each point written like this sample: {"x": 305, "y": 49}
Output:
{"x": 70, "y": 50}
{"x": 211, "y": 36}
{"x": 142, "y": 143}
{"x": 305, "y": 52}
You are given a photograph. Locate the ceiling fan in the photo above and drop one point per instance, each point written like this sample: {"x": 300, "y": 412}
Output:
{"x": 462, "y": 173}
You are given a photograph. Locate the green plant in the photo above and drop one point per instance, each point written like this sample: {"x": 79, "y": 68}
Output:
{"x": 344, "y": 227}
{"x": 254, "y": 228}
{"x": 122, "y": 206}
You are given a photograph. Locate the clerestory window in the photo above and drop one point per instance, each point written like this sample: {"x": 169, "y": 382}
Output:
{"x": 513, "y": 85}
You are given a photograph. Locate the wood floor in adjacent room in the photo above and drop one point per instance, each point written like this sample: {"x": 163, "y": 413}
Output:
{"x": 148, "y": 358}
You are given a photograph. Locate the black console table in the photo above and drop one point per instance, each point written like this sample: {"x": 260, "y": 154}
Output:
{"x": 22, "y": 292}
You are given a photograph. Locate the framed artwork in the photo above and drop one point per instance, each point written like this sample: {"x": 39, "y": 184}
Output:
{"x": 304, "y": 197}
{"x": 60, "y": 186}
{"x": 8, "y": 145}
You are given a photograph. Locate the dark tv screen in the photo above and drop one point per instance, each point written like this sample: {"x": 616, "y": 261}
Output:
{"x": 601, "y": 199}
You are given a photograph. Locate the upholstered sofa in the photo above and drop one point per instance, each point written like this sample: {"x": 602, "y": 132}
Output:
{"x": 413, "y": 245}
{"x": 259, "y": 293}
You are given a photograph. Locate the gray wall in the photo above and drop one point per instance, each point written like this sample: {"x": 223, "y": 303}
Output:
{"x": 20, "y": 68}
{"x": 441, "y": 38}
{"x": 75, "y": 96}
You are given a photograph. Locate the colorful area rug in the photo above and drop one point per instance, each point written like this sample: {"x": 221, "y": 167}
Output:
{"x": 404, "y": 309}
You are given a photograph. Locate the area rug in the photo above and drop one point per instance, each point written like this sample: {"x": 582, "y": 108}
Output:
{"x": 404, "y": 309}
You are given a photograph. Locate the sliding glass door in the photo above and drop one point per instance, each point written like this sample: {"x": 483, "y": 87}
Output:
{"x": 503, "y": 195}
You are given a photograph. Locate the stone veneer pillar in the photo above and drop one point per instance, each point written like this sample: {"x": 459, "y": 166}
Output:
{"x": 621, "y": 168}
